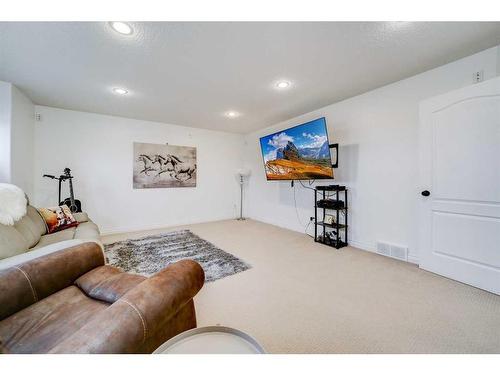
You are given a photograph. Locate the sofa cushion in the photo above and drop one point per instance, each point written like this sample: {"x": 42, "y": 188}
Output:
{"x": 38, "y": 220}
{"x": 84, "y": 231}
{"x": 41, "y": 326}
{"x": 28, "y": 230}
{"x": 87, "y": 231}
{"x": 108, "y": 283}
{"x": 81, "y": 217}
{"x": 49, "y": 239}
{"x": 11, "y": 242}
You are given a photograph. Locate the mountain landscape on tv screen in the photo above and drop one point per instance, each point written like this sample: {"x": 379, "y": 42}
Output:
{"x": 302, "y": 152}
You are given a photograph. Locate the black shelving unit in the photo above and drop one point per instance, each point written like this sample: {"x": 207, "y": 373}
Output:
{"x": 335, "y": 234}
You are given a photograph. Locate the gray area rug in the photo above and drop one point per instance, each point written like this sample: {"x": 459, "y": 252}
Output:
{"x": 148, "y": 255}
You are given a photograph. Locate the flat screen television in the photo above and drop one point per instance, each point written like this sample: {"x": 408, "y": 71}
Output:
{"x": 298, "y": 153}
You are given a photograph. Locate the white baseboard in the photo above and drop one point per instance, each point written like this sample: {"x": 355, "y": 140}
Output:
{"x": 276, "y": 223}
{"x": 362, "y": 245}
{"x": 413, "y": 259}
{"x": 130, "y": 229}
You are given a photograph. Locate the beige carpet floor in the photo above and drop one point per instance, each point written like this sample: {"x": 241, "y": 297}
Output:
{"x": 303, "y": 297}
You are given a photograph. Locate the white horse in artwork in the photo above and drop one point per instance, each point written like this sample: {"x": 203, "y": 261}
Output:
{"x": 147, "y": 162}
{"x": 181, "y": 168}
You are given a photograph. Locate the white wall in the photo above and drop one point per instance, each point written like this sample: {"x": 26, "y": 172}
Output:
{"x": 5, "y": 109}
{"x": 498, "y": 61}
{"x": 377, "y": 133}
{"x": 22, "y": 141}
{"x": 16, "y": 137}
{"x": 99, "y": 151}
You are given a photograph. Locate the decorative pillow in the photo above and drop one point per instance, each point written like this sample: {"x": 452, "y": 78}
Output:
{"x": 58, "y": 218}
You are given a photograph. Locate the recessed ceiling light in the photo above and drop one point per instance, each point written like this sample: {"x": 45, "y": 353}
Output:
{"x": 121, "y": 27}
{"x": 232, "y": 114}
{"x": 120, "y": 91}
{"x": 282, "y": 85}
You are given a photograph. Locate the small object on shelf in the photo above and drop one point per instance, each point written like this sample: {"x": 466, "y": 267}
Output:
{"x": 333, "y": 228}
{"x": 329, "y": 219}
{"x": 331, "y": 204}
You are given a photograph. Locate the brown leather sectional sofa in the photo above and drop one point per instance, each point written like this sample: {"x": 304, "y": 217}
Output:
{"x": 71, "y": 302}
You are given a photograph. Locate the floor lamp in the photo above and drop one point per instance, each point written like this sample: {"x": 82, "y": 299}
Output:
{"x": 243, "y": 172}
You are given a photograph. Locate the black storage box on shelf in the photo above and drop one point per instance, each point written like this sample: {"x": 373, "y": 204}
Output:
{"x": 332, "y": 204}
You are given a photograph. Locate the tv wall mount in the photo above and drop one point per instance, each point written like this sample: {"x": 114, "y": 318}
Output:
{"x": 334, "y": 146}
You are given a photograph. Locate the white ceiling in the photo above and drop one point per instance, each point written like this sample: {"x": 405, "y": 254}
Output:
{"x": 191, "y": 73}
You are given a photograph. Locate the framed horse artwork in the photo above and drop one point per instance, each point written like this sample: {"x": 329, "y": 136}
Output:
{"x": 163, "y": 166}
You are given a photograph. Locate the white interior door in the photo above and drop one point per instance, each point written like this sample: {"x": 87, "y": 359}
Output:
{"x": 459, "y": 221}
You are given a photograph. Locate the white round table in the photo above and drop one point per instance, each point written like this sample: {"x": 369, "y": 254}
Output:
{"x": 211, "y": 340}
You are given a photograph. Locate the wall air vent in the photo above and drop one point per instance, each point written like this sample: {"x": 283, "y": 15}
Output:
{"x": 393, "y": 251}
{"x": 384, "y": 249}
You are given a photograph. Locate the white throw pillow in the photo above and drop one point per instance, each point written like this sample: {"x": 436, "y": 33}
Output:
{"x": 12, "y": 204}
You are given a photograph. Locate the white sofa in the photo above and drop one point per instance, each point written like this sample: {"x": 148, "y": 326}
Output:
{"x": 28, "y": 239}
